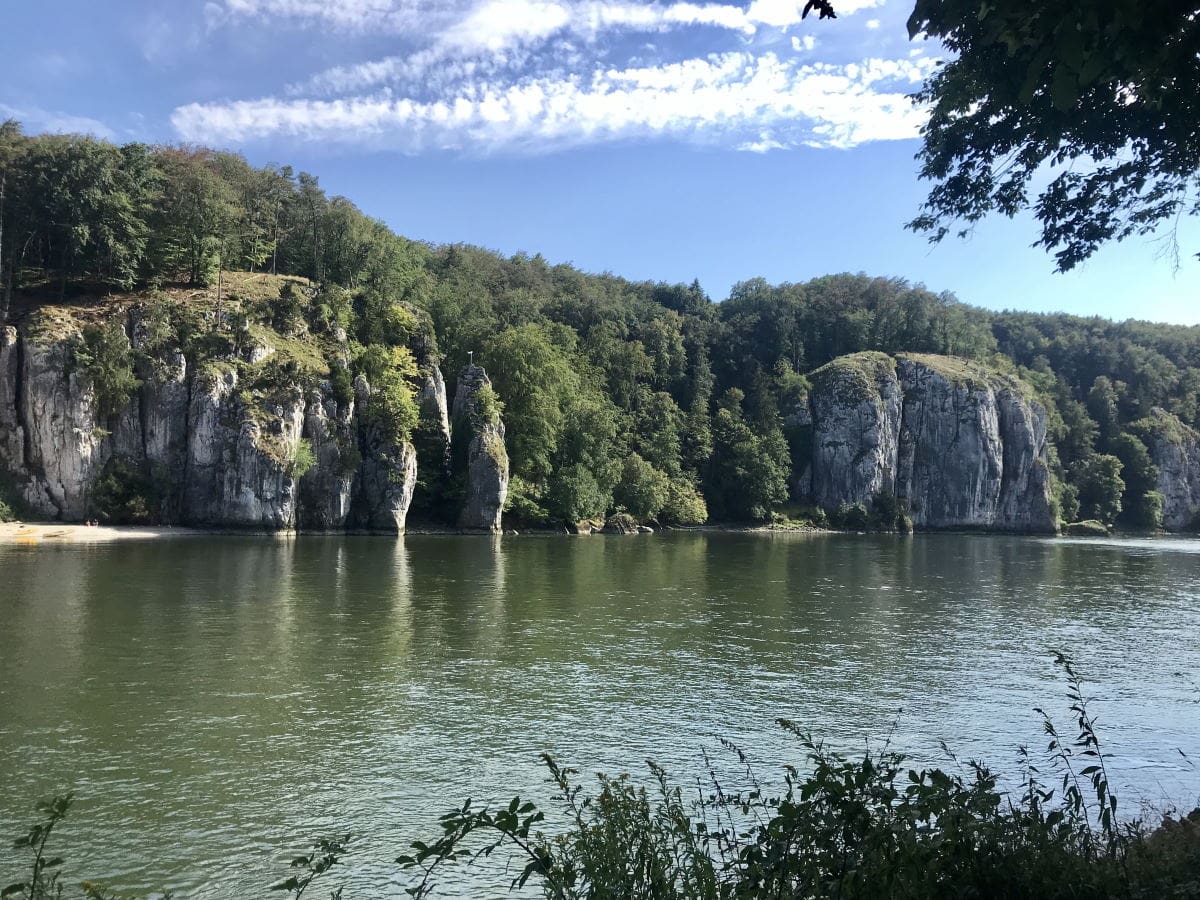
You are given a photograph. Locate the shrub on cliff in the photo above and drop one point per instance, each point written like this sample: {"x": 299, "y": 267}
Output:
{"x": 106, "y": 357}
{"x": 392, "y": 408}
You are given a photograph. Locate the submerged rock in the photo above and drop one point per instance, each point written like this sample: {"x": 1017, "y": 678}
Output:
{"x": 1086, "y": 528}
{"x": 621, "y": 523}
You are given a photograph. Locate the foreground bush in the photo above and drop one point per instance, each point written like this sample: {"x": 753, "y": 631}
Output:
{"x": 847, "y": 828}
{"x": 869, "y": 827}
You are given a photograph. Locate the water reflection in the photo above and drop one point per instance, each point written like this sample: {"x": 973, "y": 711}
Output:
{"x": 216, "y": 700}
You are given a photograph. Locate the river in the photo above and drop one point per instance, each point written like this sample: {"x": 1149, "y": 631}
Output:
{"x": 217, "y": 701}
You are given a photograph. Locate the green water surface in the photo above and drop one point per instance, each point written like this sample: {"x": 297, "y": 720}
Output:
{"x": 217, "y": 701}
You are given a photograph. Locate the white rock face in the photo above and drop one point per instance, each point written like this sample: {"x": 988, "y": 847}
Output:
{"x": 1025, "y": 490}
{"x": 385, "y": 488}
{"x": 952, "y": 461}
{"x": 1175, "y": 449}
{"x": 327, "y": 489}
{"x": 961, "y": 445}
{"x": 239, "y": 461}
{"x": 210, "y": 436}
{"x": 258, "y": 490}
{"x": 856, "y": 420}
{"x": 221, "y": 454}
{"x": 487, "y": 457}
{"x": 432, "y": 401}
{"x": 386, "y": 477}
{"x": 66, "y": 446}
{"x": 12, "y": 433}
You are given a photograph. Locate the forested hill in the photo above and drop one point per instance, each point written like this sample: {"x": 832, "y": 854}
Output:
{"x": 616, "y": 395}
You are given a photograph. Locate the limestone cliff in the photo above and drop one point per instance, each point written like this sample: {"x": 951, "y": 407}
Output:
{"x": 432, "y": 497}
{"x": 856, "y": 416}
{"x": 66, "y": 445}
{"x": 242, "y": 436}
{"x": 327, "y": 489}
{"x": 387, "y": 475}
{"x": 478, "y": 425}
{"x": 960, "y": 445}
{"x": 1175, "y": 449}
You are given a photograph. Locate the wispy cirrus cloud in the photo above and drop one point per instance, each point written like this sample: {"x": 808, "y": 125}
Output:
{"x": 755, "y": 102}
{"x": 489, "y": 31}
{"x": 530, "y": 75}
{"x": 347, "y": 15}
{"x": 479, "y": 21}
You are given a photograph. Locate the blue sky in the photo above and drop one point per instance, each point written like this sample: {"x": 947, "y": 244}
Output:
{"x": 718, "y": 140}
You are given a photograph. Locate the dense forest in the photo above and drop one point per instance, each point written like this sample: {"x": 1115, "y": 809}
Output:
{"x": 618, "y": 395}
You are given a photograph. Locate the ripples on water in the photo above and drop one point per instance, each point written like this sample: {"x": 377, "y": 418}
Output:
{"x": 218, "y": 701}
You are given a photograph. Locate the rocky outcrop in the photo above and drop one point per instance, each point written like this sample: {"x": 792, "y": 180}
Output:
{"x": 385, "y": 488}
{"x": 432, "y": 439}
{"x": 1025, "y": 491}
{"x": 218, "y": 442}
{"x": 1175, "y": 450}
{"x": 240, "y": 458}
{"x": 856, "y": 406}
{"x": 478, "y": 425}
{"x": 12, "y": 433}
{"x": 65, "y": 441}
{"x": 434, "y": 409}
{"x": 387, "y": 475}
{"x": 952, "y": 459}
{"x": 209, "y": 436}
{"x": 327, "y": 489}
{"x": 961, "y": 446}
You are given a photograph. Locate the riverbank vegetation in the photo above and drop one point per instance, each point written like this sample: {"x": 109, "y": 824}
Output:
{"x": 619, "y": 397}
{"x": 866, "y": 826}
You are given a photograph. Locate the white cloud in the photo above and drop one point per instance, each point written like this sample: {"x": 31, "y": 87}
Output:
{"x": 873, "y": 24}
{"x": 482, "y": 24}
{"x": 347, "y": 15}
{"x": 803, "y": 44}
{"x": 34, "y": 119}
{"x": 764, "y": 144}
{"x": 732, "y": 99}
{"x": 487, "y": 32}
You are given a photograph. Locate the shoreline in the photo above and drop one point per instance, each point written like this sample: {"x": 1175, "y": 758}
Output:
{"x": 61, "y": 533}
{"x": 36, "y": 533}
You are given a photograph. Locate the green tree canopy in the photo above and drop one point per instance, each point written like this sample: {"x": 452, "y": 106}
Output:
{"x": 1103, "y": 97}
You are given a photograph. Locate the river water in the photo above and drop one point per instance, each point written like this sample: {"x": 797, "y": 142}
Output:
{"x": 215, "y": 702}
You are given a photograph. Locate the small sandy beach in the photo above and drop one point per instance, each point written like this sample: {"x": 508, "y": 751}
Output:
{"x": 51, "y": 533}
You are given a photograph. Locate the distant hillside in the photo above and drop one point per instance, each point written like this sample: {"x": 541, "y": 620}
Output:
{"x": 616, "y": 396}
